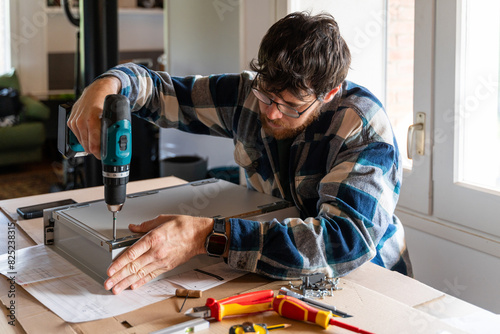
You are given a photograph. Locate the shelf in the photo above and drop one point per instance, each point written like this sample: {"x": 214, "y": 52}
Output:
{"x": 121, "y": 11}
{"x": 141, "y": 11}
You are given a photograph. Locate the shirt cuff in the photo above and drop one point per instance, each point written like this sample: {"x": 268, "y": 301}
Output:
{"x": 245, "y": 249}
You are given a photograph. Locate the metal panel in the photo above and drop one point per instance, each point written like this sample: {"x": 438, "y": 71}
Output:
{"x": 82, "y": 233}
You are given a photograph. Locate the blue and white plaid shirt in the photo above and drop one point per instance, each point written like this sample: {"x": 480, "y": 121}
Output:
{"x": 345, "y": 172}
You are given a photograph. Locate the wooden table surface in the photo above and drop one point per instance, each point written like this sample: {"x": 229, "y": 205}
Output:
{"x": 380, "y": 301}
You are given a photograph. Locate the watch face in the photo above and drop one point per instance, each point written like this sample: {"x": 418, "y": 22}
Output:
{"x": 216, "y": 244}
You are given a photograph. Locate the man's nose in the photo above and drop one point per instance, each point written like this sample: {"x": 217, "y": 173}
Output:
{"x": 272, "y": 111}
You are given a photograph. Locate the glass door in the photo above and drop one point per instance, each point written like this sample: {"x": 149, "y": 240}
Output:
{"x": 467, "y": 122}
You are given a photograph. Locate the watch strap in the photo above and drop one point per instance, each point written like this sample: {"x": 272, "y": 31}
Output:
{"x": 216, "y": 242}
{"x": 220, "y": 225}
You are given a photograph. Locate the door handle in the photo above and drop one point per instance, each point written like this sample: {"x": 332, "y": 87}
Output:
{"x": 416, "y": 130}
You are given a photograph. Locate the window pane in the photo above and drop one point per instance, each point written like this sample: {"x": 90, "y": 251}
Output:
{"x": 478, "y": 129}
{"x": 399, "y": 102}
{"x": 4, "y": 36}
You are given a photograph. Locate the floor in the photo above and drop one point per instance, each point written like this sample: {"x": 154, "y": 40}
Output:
{"x": 30, "y": 179}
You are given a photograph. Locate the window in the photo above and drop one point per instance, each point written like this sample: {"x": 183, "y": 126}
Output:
{"x": 5, "y": 63}
{"x": 478, "y": 122}
{"x": 466, "y": 163}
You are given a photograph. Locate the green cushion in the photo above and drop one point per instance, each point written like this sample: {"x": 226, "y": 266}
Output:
{"x": 23, "y": 142}
{"x": 34, "y": 109}
{"x": 22, "y": 136}
{"x": 10, "y": 79}
{"x": 16, "y": 157}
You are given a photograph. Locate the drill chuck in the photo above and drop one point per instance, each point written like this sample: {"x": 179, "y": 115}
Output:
{"x": 115, "y": 180}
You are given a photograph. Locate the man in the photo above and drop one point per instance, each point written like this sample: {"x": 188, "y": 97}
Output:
{"x": 301, "y": 132}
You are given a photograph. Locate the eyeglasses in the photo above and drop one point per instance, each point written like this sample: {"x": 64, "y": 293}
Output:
{"x": 283, "y": 108}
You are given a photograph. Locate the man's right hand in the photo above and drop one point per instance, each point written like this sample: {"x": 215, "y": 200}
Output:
{"x": 86, "y": 113}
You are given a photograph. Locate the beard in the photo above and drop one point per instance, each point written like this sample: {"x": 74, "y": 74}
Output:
{"x": 285, "y": 132}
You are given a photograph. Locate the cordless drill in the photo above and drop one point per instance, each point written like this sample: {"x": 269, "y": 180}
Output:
{"x": 116, "y": 148}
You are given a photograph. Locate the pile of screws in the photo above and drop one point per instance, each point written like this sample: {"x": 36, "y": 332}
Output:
{"x": 317, "y": 286}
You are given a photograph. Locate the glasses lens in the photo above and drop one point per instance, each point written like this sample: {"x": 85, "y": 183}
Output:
{"x": 287, "y": 110}
{"x": 263, "y": 98}
{"x": 283, "y": 108}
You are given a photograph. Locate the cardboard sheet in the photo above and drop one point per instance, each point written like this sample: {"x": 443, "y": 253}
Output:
{"x": 393, "y": 284}
{"x": 16, "y": 234}
{"x": 31, "y": 316}
{"x": 370, "y": 310}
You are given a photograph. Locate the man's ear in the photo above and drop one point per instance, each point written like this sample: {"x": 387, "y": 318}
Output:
{"x": 329, "y": 96}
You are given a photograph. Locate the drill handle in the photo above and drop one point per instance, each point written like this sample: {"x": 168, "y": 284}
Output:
{"x": 116, "y": 131}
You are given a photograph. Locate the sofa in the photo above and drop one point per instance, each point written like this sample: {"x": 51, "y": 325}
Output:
{"x": 23, "y": 141}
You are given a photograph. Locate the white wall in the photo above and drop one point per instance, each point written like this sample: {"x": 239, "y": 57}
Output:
{"x": 28, "y": 41}
{"x": 362, "y": 24}
{"x": 218, "y": 37}
{"x": 201, "y": 39}
{"x": 455, "y": 259}
{"x": 133, "y": 26}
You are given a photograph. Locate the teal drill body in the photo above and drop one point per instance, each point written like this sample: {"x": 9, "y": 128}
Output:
{"x": 116, "y": 149}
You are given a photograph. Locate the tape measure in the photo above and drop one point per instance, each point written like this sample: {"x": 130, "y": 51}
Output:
{"x": 248, "y": 327}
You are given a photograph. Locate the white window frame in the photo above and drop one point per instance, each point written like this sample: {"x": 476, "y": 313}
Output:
{"x": 416, "y": 191}
{"x": 470, "y": 207}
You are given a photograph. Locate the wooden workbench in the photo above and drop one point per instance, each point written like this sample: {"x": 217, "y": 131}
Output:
{"x": 380, "y": 301}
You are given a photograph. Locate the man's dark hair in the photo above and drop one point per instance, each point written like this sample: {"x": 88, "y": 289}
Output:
{"x": 302, "y": 53}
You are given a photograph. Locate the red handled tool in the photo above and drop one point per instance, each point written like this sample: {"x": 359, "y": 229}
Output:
{"x": 246, "y": 303}
{"x": 292, "y": 308}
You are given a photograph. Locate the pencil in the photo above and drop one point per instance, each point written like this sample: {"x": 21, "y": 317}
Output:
{"x": 209, "y": 274}
{"x": 270, "y": 328}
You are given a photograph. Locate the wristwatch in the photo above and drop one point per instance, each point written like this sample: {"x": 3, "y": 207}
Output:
{"x": 216, "y": 242}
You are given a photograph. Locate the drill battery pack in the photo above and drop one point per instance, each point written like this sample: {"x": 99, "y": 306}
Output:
{"x": 67, "y": 144}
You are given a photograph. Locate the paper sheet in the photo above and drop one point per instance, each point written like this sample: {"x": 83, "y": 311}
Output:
{"x": 76, "y": 297}
{"x": 80, "y": 298}
{"x": 37, "y": 263}
{"x": 199, "y": 281}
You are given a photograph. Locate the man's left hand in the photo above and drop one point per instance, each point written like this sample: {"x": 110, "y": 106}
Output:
{"x": 170, "y": 241}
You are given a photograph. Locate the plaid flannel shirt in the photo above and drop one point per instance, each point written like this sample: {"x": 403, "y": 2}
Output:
{"x": 345, "y": 172}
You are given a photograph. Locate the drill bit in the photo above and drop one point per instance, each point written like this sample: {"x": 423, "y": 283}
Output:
{"x": 114, "y": 225}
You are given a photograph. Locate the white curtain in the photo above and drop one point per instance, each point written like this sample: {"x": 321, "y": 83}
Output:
{"x": 5, "y": 62}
